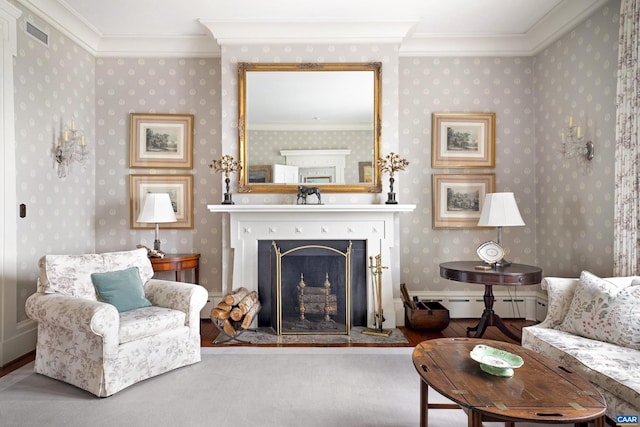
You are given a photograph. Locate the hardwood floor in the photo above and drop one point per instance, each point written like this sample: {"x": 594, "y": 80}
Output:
{"x": 456, "y": 328}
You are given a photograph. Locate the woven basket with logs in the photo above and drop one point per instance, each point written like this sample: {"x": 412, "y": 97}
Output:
{"x": 236, "y": 311}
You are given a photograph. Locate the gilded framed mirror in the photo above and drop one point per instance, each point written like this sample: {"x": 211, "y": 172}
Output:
{"x": 309, "y": 124}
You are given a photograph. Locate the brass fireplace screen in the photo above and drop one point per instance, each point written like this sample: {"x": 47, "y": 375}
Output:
{"x": 313, "y": 290}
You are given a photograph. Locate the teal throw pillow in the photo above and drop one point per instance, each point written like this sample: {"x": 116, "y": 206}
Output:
{"x": 121, "y": 288}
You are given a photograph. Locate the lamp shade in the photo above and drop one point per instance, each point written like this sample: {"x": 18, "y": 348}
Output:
{"x": 500, "y": 210}
{"x": 157, "y": 208}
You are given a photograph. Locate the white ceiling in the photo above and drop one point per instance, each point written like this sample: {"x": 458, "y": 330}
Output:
{"x": 422, "y": 27}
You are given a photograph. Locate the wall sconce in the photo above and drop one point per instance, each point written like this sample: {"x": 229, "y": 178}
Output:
{"x": 574, "y": 144}
{"x": 69, "y": 147}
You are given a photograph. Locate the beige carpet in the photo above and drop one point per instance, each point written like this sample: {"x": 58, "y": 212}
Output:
{"x": 241, "y": 386}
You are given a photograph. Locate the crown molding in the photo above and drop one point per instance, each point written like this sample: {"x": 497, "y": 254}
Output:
{"x": 262, "y": 31}
{"x": 63, "y": 19}
{"x": 169, "y": 46}
{"x": 559, "y": 21}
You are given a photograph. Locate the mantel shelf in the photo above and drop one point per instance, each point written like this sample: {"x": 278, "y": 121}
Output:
{"x": 315, "y": 208}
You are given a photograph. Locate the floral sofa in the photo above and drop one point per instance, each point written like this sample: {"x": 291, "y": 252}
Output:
{"x": 593, "y": 327}
{"x": 101, "y": 347}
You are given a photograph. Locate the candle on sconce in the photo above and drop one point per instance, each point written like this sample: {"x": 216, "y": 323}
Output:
{"x": 73, "y": 125}
{"x": 571, "y": 120}
{"x": 82, "y": 140}
{"x": 579, "y": 131}
{"x": 562, "y": 137}
{"x": 65, "y": 135}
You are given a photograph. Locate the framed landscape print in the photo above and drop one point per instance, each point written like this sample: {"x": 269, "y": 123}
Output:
{"x": 463, "y": 140}
{"x": 161, "y": 141}
{"x": 180, "y": 189}
{"x": 458, "y": 198}
{"x": 365, "y": 172}
{"x": 259, "y": 174}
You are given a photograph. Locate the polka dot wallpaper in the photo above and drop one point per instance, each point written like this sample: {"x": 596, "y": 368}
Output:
{"x": 157, "y": 85}
{"x": 577, "y": 76}
{"x": 53, "y": 86}
{"x": 429, "y": 85}
{"x": 568, "y": 210}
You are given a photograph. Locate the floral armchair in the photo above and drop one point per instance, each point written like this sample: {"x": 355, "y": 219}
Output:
{"x": 101, "y": 347}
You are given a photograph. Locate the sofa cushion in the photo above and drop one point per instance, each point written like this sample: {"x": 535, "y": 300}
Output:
{"x": 126, "y": 259}
{"x": 69, "y": 275}
{"x": 605, "y": 311}
{"x": 611, "y": 368}
{"x": 148, "y": 321}
{"x": 121, "y": 288}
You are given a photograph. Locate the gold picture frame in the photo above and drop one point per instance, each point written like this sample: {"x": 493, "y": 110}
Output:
{"x": 463, "y": 140}
{"x": 180, "y": 189}
{"x": 458, "y": 198}
{"x": 161, "y": 141}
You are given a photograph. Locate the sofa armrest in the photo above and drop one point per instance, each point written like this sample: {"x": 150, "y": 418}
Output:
{"x": 186, "y": 297}
{"x": 74, "y": 313}
{"x": 560, "y": 292}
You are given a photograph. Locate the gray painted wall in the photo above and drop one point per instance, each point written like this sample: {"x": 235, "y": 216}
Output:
{"x": 568, "y": 214}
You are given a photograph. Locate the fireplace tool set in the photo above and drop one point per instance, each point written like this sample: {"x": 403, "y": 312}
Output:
{"x": 376, "y": 284}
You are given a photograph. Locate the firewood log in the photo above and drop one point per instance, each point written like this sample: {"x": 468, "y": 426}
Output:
{"x": 248, "y": 301}
{"x": 228, "y": 328}
{"x": 224, "y": 306}
{"x": 246, "y": 322}
{"x": 219, "y": 314}
{"x": 235, "y": 297}
{"x": 236, "y": 314}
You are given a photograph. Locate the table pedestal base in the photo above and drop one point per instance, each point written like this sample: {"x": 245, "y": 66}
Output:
{"x": 490, "y": 318}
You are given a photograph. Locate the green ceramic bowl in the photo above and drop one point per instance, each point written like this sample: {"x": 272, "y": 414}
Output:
{"x": 495, "y": 361}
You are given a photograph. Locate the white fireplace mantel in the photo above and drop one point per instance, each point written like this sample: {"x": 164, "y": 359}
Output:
{"x": 376, "y": 224}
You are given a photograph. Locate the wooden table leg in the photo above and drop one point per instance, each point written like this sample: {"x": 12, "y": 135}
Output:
{"x": 475, "y": 419}
{"x": 424, "y": 404}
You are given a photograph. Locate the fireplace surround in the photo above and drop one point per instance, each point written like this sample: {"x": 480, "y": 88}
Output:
{"x": 376, "y": 225}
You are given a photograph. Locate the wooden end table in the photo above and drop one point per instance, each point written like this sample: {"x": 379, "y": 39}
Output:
{"x": 540, "y": 391}
{"x": 177, "y": 263}
{"x": 512, "y": 275}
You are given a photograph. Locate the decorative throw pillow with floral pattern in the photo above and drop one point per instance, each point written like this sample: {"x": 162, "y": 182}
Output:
{"x": 604, "y": 311}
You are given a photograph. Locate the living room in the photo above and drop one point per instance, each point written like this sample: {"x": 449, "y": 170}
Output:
{"x": 568, "y": 210}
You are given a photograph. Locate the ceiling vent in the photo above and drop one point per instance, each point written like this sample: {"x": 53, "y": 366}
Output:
{"x": 37, "y": 33}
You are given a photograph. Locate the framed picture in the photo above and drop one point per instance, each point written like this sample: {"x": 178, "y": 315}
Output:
{"x": 317, "y": 180}
{"x": 180, "y": 189}
{"x": 161, "y": 141}
{"x": 463, "y": 140}
{"x": 259, "y": 174}
{"x": 457, "y": 199}
{"x": 365, "y": 172}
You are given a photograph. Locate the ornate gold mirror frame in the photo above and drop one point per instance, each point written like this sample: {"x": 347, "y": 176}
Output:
{"x": 269, "y": 89}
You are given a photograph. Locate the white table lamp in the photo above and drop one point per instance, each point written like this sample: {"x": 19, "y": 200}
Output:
{"x": 500, "y": 210}
{"x": 157, "y": 209}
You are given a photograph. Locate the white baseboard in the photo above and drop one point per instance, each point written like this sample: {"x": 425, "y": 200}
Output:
{"x": 530, "y": 305}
